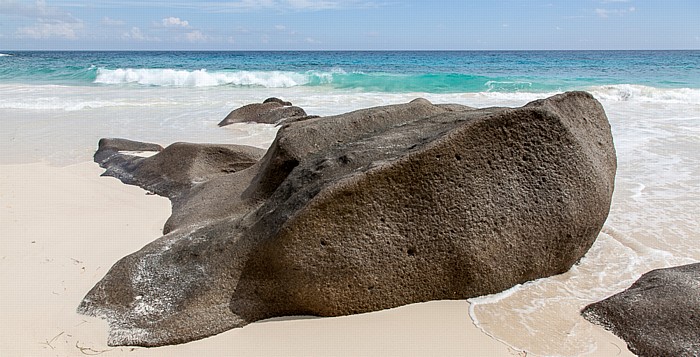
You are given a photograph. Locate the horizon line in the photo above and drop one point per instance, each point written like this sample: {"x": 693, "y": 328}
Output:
{"x": 342, "y": 50}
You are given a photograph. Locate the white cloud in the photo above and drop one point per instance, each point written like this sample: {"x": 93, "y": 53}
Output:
{"x": 329, "y": 4}
{"x": 50, "y": 21}
{"x": 299, "y": 5}
{"x": 45, "y": 29}
{"x": 175, "y": 22}
{"x": 313, "y": 4}
{"x": 311, "y": 40}
{"x": 136, "y": 34}
{"x": 196, "y": 36}
{"x": 280, "y": 27}
{"x": 111, "y": 22}
{"x": 605, "y": 13}
{"x": 38, "y": 10}
{"x": 235, "y": 6}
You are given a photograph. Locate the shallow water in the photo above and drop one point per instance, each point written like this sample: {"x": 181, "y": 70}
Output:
{"x": 653, "y": 221}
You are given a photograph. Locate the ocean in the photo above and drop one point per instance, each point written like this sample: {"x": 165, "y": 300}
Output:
{"x": 54, "y": 106}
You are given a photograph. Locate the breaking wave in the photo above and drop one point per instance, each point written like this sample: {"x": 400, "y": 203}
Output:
{"x": 334, "y": 78}
{"x": 640, "y": 93}
{"x": 388, "y": 83}
{"x": 199, "y": 78}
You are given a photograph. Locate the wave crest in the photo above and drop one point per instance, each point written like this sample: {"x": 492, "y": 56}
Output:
{"x": 640, "y": 93}
{"x": 337, "y": 78}
{"x": 199, "y": 78}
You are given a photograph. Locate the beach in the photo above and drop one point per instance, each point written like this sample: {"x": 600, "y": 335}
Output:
{"x": 69, "y": 225}
{"x": 64, "y": 225}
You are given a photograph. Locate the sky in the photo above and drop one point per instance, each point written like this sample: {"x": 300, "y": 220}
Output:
{"x": 349, "y": 24}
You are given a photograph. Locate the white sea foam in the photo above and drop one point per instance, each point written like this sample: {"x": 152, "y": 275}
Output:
{"x": 5, "y": 55}
{"x": 200, "y": 78}
{"x": 55, "y": 103}
{"x": 640, "y": 93}
{"x": 507, "y": 85}
{"x": 508, "y": 91}
{"x": 611, "y": 93}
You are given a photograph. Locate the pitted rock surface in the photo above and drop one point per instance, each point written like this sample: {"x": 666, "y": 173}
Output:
{"x": 370, "y": 210}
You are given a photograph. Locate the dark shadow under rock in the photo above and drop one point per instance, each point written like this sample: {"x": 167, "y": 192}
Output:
{"x": 659, "y": 315}
{"x": 370, "y": 210}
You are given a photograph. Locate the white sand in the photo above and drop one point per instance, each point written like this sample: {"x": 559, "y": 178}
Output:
{"x": 62, "y": 229}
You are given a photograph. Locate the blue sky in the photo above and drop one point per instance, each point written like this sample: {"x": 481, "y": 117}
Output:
{"x": 349, "y": 24}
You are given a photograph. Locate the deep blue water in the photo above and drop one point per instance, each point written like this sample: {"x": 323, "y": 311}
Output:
{"x": 394, "y": 71}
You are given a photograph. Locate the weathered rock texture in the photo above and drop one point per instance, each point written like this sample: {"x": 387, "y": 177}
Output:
{"x": 368, "y": 210}
{"x": 112, "y": 148}
{"x": 659, "y": 315}
{"x": 271, "y": 111}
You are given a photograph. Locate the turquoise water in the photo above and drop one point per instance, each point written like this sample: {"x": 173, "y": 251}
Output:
{"x": 392, "y": 72}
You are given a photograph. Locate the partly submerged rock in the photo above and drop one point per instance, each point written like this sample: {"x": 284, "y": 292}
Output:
{"x": 271, "y": 111}
{"x": 369, "y": 210}
{"x": 659, "y": 315}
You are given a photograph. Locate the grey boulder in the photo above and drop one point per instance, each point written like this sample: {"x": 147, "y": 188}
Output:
{"x": 370, "y": 210}
{"x": 271, "y": 111}
{"x": 659, "y": 315}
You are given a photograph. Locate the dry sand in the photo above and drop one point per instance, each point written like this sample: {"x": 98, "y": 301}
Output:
{"x": 62, "y": 229}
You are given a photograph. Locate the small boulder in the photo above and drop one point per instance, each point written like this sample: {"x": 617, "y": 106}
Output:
{"x": 277, "y": 100}
{"x": 659, "y": 315}
{"x": 271, "y": 111}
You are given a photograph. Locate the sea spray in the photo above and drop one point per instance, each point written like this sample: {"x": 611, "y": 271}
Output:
{"x": 199, "y": 78}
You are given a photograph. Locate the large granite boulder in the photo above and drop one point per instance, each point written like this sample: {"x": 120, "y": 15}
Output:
{"x": 370, "y": 210}
{"x": 271, "y": 111}
{"x": 659, "y": 315}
